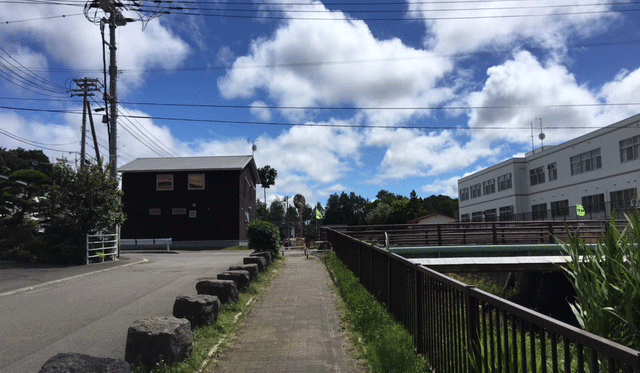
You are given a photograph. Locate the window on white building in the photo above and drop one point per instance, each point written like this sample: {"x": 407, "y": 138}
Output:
{"x": 464, "y": 194}
{"x": 465, "y": 218}
{"x": 630, "y": 149}
{"x": 552, "y": 169}
{"x": 560, "y": 208}
{"x": 623, "y": 199}
{"x": 536, "y": 176}
{"x": 489, "y": 186}
{"x": 490, "y": 215}
{"x": 586, "y": 162}
{"x": 539, "y": 211}
{"x": 506, "y": 213}
{"x": 476, "y": 216}
{"x": 475, "y": 190}
{"x": 594, "y": 203}
{"x": 504, "y": 182}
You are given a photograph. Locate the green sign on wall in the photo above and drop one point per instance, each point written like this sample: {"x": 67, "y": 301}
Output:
{"x": 580, "y": 210}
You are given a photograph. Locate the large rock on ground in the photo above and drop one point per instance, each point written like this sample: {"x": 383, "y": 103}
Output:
{"x": 80, "y": 363}
{"x": 260, "y": 261}
{"x": 200, "y": 310}
{"x": 154, "y": 340}
{"x": 265, "y": 254}
{"x": 252, "y": 268}
{"x": 241, "y": 278}
{"x": 225, "y": 290}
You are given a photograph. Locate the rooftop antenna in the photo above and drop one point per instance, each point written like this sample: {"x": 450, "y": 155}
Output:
{"x": 533, "y": 149}
{"x": 541, "y": 136}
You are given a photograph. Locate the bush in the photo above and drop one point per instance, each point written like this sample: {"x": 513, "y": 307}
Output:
{"x": 263, "y": 236}
{"x": 607, "y": 283}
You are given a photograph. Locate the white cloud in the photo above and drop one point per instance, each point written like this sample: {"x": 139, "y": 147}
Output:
{"x": 471, "y": 26}
{"x": 447, "y": 187}
{"x": 624, "y": 88}
{"x": 413, "y": 153}
{"x": 260, "y": 110}
{"x": 394, "y": 75}
{"x": 76, "y": 42}
{"x": 523, "y": 89}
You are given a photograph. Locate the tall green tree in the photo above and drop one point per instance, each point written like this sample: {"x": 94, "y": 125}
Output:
{"x": 21, "y": 195}
{"x": 268, "y": 177}
{"x": 276, "y": 211}
{"x": 80, "y": 202}
{"x": 20, "y": 159}
{"x": 345, "y": 208}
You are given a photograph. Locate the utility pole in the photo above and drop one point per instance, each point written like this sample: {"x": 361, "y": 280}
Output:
{"x": 115, "y": 18}
{"x": 86, "y": 87}
{"x": 113, "y": 92}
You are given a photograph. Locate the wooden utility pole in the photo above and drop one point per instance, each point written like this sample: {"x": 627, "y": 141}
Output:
{"x": 86, "y": 87}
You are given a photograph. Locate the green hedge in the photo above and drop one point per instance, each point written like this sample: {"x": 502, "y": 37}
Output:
{"x": 388, "y": 346}
{"x": 263, "y": 236}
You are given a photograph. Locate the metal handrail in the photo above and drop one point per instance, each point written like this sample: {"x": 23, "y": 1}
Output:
{"x": 460, "y": 327}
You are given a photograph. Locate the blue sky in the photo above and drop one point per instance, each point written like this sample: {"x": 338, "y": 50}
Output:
{"x": 337, "y": 96}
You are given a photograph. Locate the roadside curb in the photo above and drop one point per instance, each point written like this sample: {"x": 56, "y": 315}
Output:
{"x": 24, "y": 289}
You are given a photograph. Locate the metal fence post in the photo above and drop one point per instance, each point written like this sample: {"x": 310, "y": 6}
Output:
{"x": 473, "y": 327}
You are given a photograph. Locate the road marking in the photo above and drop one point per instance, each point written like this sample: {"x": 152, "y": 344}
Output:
{"x": 21, "y": 290}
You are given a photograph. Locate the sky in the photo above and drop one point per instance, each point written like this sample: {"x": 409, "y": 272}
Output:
{"x": 354, "y": 96}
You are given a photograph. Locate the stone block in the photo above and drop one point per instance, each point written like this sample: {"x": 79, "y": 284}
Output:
{"x": 241, "y": 278}
{"x": 80, "y": 363}
{"x": 200, "y": 310}
{"x": 153, "y": 340}
{"x": 252, "y": 268}
{"x": 260, "y": 261}
{"x": 265, "y": 254}
{"x": 225, "y": 290}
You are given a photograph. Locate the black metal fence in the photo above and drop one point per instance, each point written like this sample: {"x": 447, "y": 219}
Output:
{"x": 463, "y": 329}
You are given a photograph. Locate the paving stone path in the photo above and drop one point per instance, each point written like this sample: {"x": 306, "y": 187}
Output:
{"x": 294, "y": 327}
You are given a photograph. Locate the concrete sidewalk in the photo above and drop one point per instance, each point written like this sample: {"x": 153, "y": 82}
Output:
{"x": 293, "y": 327}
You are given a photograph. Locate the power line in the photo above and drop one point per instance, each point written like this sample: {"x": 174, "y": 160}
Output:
{"x": 157, "y": 142}
{"x": 40, "y": 18}
{"x": 457, "y": 107}
{"x": 178, "y": 11}
{"x": 31, "y": 142}
{"x": 403, "y": 10}
{"x": 277, "y": 107}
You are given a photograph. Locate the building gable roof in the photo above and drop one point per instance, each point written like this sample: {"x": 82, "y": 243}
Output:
{"x": 189, "y": 164}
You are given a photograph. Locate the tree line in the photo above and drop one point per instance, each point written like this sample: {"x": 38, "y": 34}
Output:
{"x": 352, "y": 209}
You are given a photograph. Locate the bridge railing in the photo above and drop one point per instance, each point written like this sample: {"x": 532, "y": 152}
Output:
{"x": 463, "y": 329}
{"x": 493, "y": 233}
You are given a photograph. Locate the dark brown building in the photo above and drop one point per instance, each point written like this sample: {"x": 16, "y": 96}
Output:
{"x": 196, "y": 201}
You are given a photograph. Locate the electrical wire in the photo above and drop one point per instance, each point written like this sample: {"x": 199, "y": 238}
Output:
{"x": 278, "y": 107}
{"x": 149, "y": 136}
{"x": 31, "y": 142}
{"x": 308, "y": 124}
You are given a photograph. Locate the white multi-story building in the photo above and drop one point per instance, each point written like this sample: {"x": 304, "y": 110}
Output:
{"x": 600, "y": 171}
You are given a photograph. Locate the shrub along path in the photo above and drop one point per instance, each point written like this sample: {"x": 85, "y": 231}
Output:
{"x": 294, "y": 327}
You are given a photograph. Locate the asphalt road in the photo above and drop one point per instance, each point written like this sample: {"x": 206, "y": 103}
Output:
{"x": 87, "y": 309}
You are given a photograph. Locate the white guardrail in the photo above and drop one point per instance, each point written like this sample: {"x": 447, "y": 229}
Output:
{"x": 102, "y": 246}
{"x": 128, "y": 243}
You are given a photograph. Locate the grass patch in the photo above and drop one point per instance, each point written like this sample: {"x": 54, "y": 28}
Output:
{"x": 205, "y": 339}
{"x": 384, "y": 343}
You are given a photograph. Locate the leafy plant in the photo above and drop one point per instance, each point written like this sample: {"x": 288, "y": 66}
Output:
{"x": 606, "y": 279}
{"x": 263, "y": 236}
